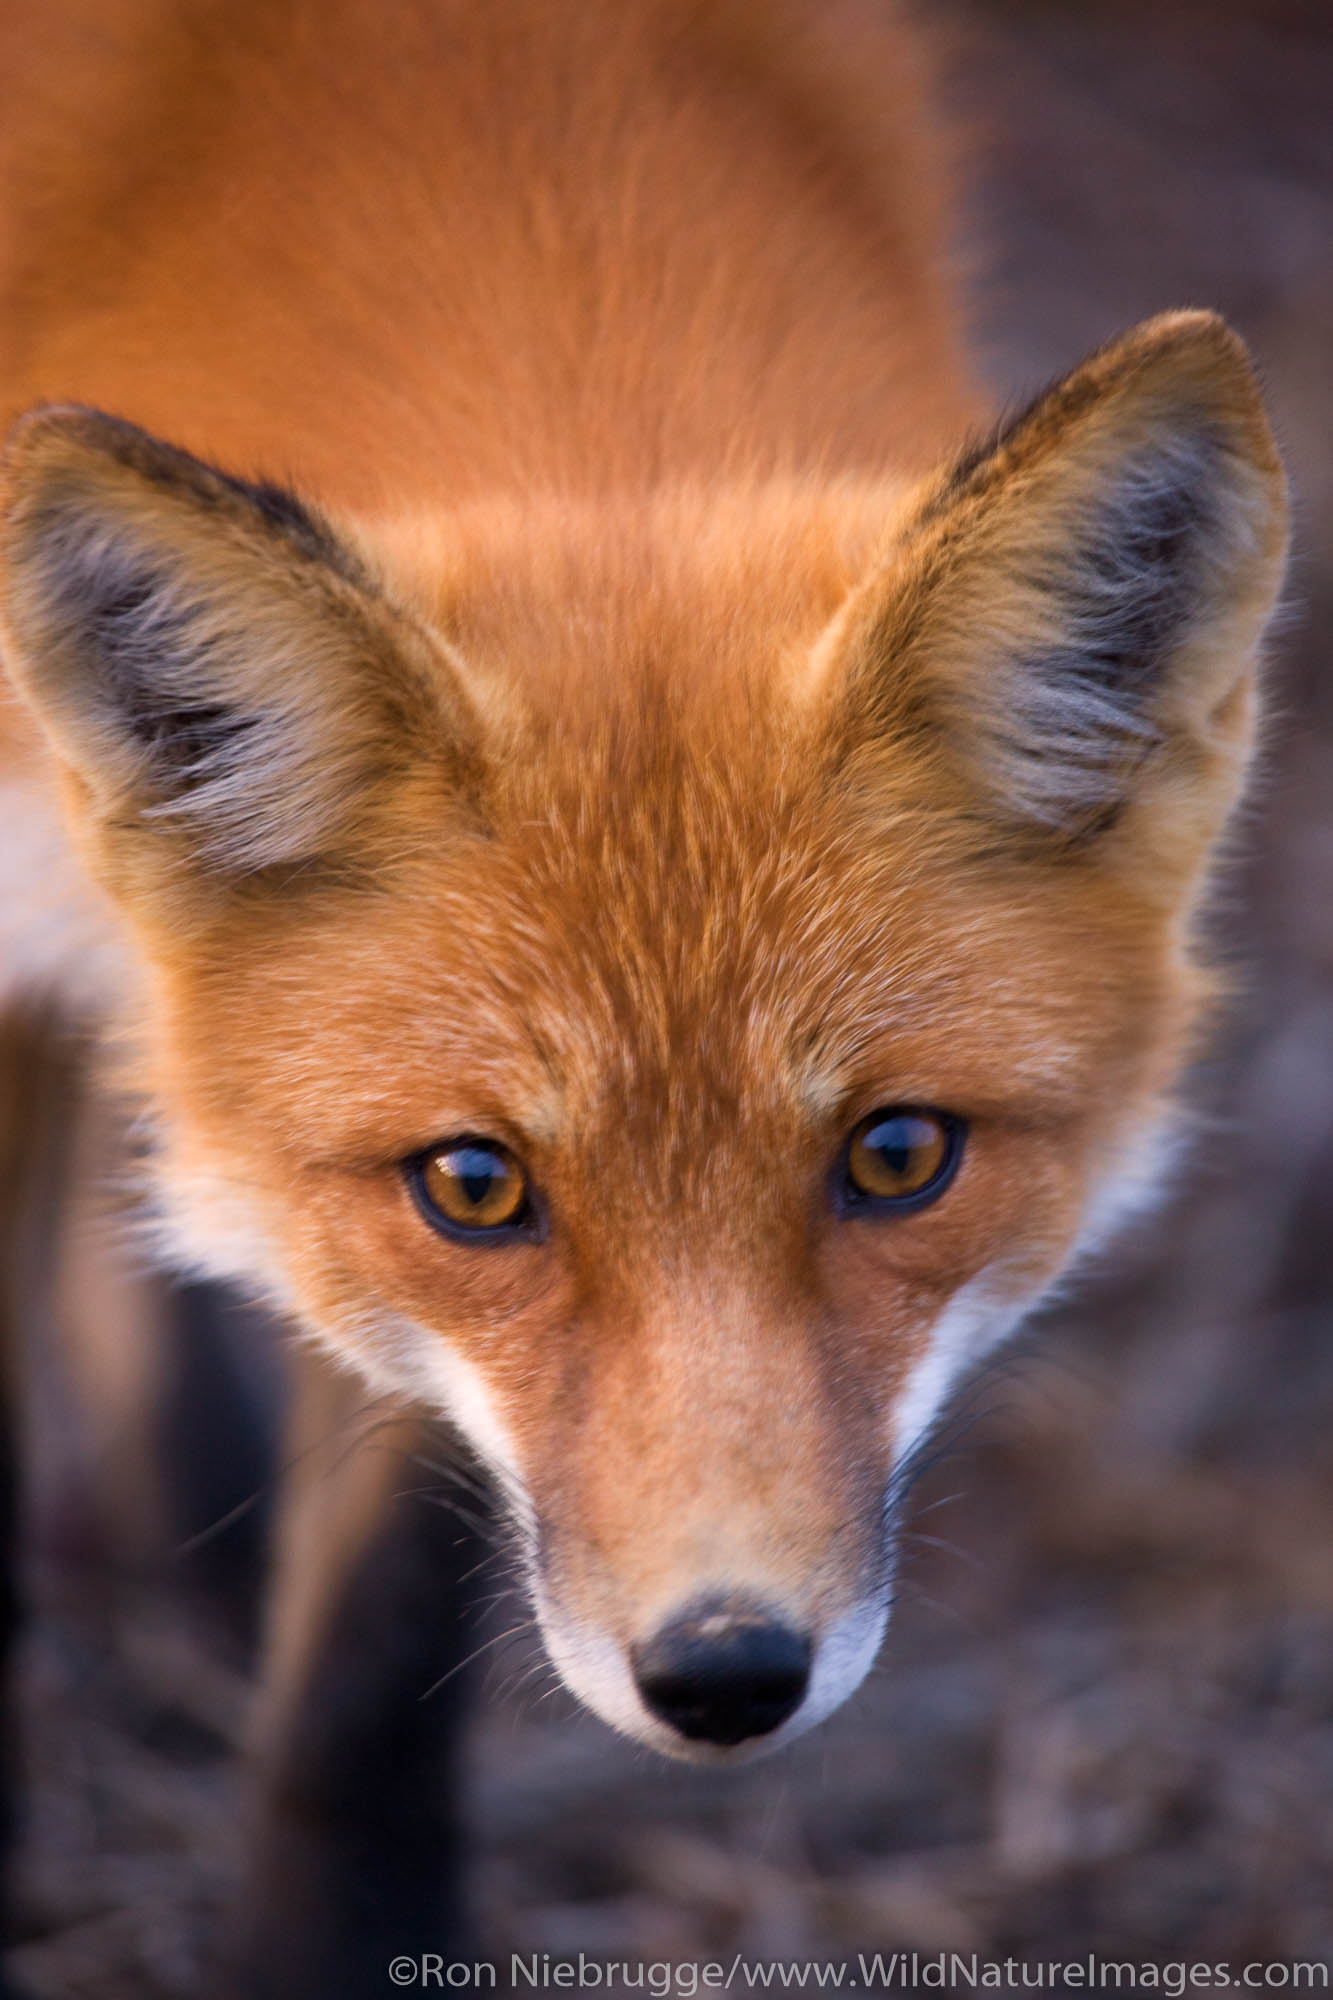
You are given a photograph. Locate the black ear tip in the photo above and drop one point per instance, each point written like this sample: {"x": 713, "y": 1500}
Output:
{"x": 69, "y": 429}
{"x": 53, "y": 433}
{"x": 64, "y": 446}
{"x": 58, "y": 452}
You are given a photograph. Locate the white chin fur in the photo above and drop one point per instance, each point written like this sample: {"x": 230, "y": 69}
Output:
{"x": 596, "y": 1669}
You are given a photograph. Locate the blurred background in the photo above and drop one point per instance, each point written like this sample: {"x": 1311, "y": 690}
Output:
{"x": 1103, "y": 1720}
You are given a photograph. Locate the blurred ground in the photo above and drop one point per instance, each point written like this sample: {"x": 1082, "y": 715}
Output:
{"x": 1104, "y": 1719}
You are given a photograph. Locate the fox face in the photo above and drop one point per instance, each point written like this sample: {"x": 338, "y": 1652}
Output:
{"x": 668, "y": 980}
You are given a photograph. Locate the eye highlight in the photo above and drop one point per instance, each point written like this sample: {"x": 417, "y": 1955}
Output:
{"x": 899, "y": 1158}
{"x": 471, "y": 1188}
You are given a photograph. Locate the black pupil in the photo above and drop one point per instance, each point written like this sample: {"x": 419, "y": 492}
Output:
{"x": 896, "y": 1140}
{"x": 478, "y": 1172}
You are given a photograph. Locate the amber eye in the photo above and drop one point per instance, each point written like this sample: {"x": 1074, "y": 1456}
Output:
{"x": 900, "y": 1157}
{"x": 471, "y": 1187}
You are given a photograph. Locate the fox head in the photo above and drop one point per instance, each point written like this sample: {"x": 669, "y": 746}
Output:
{"x": 668, "y": 980}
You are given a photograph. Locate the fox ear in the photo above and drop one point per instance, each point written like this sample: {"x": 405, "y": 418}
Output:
{"x": 1069, "y": 621}
{"x": 214, "y": 666}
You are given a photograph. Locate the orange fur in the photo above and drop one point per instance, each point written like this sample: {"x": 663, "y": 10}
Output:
{"x": 420, "y": 255}
{"x": 665, "y": 758}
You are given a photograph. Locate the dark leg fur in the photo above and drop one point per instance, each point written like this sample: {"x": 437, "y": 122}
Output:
{"x": 355, "y": 1855}
{"x": 217, "y": 1438}
{"x": 35, "y": 1100}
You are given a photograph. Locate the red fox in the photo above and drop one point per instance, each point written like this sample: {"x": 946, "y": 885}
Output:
{"x": 647, "y": 890}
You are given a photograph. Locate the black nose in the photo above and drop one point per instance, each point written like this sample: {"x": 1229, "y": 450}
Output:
{"x": 719, "y": 1673}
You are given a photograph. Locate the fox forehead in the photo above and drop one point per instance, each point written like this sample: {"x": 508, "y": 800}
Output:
{"x": 710, "y": 585}
{"x": 673, "y": 945}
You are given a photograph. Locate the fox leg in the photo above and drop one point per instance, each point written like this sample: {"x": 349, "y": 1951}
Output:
{"x": 36, "y": 1095}
{"x": 355, "y": 1844}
